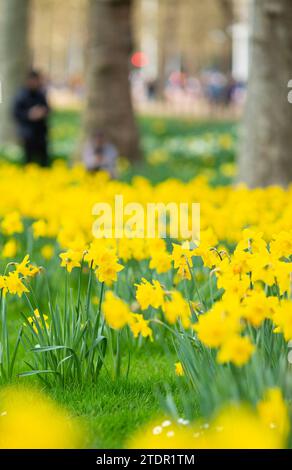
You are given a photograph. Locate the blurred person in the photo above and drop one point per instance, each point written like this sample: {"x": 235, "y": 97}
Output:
{"x": 151, "y": 86}
{"x": 100, "y": 155}
{"x": 31, "y": 112}
{"x": 217, "y": 88}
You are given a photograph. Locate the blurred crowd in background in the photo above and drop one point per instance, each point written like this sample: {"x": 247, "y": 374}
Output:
{"x": 211, "y": 90}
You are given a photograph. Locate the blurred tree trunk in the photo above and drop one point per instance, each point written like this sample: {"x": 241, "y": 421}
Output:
{"x": 228, "y": 10}
{"x": 109, "y": 104}
{"x": 14, "y": 58}
{"x": 228, "y": 15}
{"x": 266, "y": 155}
{"x": 167, "y": 40}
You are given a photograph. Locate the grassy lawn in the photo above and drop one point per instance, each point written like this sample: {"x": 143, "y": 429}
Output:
{"x": 115, "y": 409}
{"x": 171, "y": 147}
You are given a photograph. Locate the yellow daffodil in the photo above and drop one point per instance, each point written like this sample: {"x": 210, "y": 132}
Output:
{"x": 13, "y": 284}
{"x": 71, "y": 259}
{"x": 12, "y": 223}
{"x": 149, "y": 294}
{"x": 9, "y": 249}
{"x": 179, "y": 369}
{"x": 236, "y": 349}
{"x": 37, "y": 316}
{"x": 116, "y": 312}
{"x": 47, "y": 252}
{"x": 140, "y": 326}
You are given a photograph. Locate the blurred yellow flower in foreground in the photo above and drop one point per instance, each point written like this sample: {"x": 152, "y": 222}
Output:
{"x": 241, "y": 428}
{"x": 30, "y": 420}
{"x": 274, "y": 411}
{"x": 164, "y": 434}
{"x": 234, "y": 427}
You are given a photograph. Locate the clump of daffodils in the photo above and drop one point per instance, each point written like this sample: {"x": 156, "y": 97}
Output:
{"x": 101, "y": 258}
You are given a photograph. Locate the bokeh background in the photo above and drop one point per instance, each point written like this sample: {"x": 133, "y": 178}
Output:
{"x": 166, "y": 80}
{"x": 182, "y": 66}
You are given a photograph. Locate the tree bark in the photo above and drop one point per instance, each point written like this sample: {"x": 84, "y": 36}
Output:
{"x": 14, "y": 58}
{"x": 109, "y": 104}
{"x": 266, "y": 153}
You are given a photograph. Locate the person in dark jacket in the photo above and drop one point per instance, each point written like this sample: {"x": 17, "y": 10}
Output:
{"x": 31, "y": 112}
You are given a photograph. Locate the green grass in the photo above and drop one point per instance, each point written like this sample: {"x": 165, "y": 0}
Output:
{"x": 176, "y": 141}
{"x": 113, "y": 410}
{"x": 170, "y": 146}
